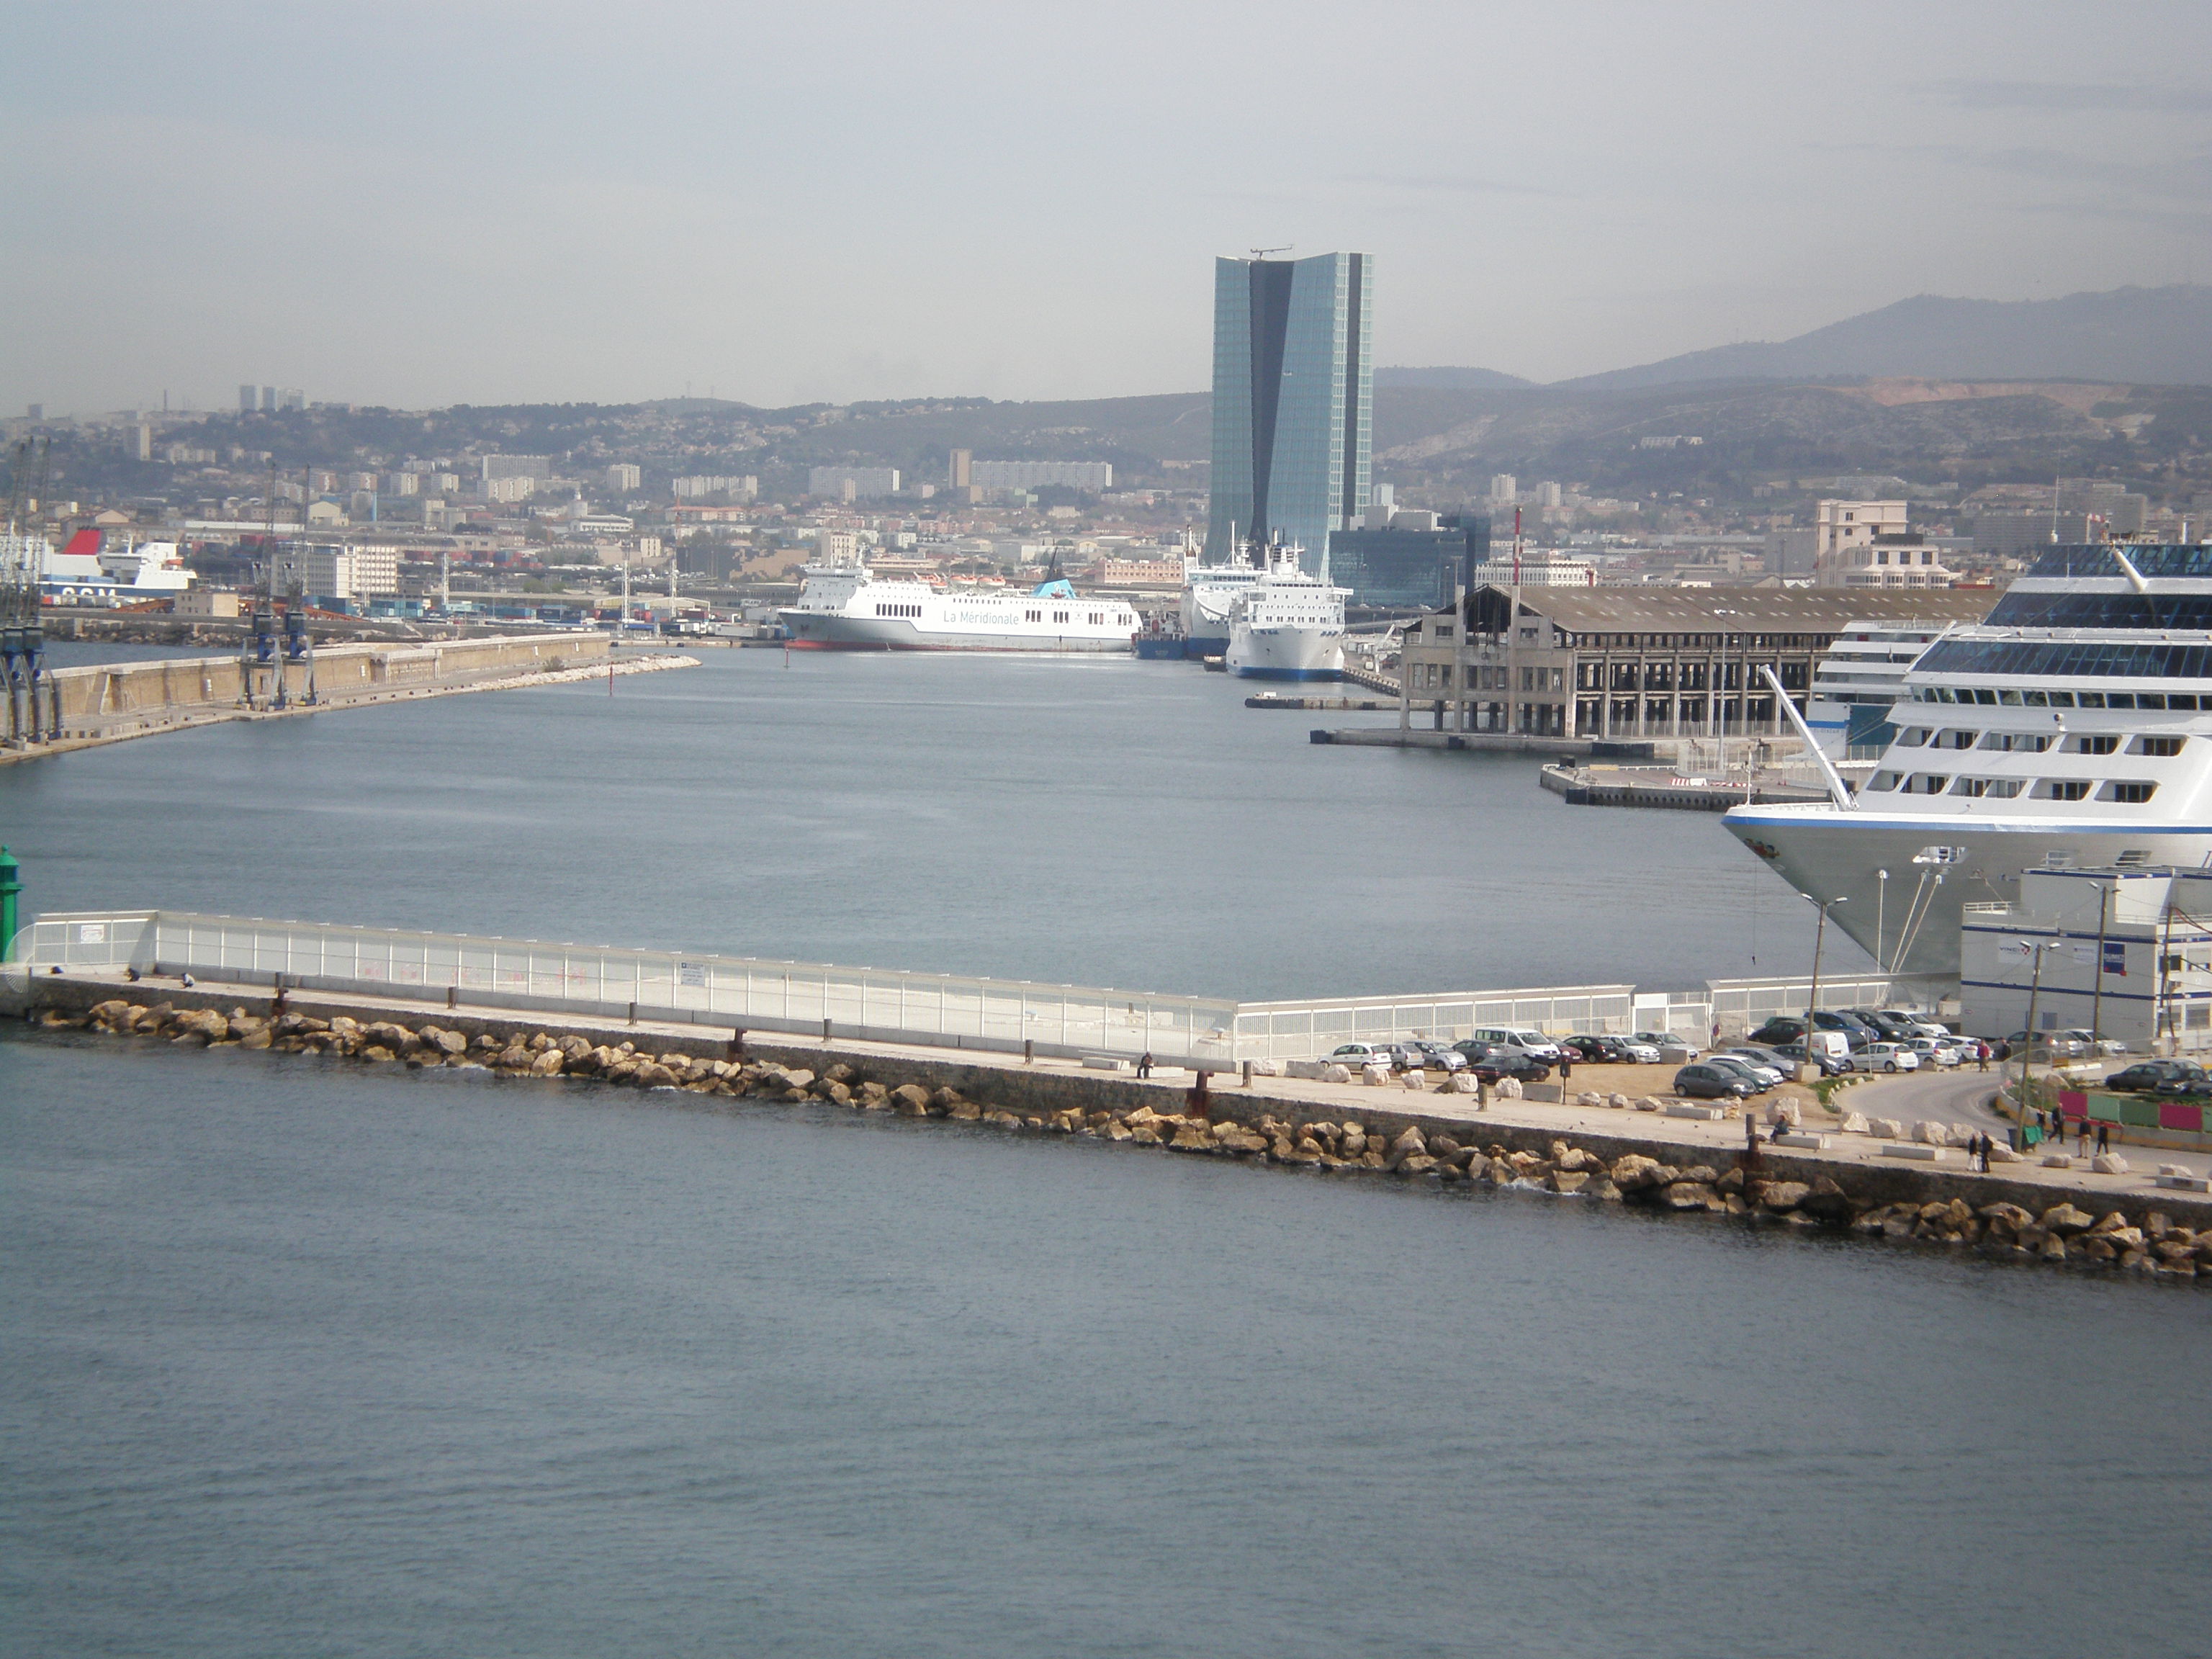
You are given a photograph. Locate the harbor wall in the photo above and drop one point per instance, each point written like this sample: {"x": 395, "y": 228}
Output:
{"x": 1033, "y": 1092}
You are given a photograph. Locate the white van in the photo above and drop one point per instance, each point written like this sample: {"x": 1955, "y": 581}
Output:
{"x": 1534, "y": 1045}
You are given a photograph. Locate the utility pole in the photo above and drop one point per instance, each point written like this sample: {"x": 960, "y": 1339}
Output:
{"x": 1813, "y": 995}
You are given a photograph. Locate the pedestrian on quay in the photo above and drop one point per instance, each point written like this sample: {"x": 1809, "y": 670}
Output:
{"x": 1982, "y": 1055}
{"x": 1145, "y": 1064}
{"x": 2081, "y": 1137}
{"x": 2104, "y": 1139}
{"x": 1983, "y": 1143}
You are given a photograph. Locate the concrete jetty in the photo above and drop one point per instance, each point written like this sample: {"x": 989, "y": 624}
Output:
{"x": 111, "y": 702}
{"x": 1593, "y": 1146}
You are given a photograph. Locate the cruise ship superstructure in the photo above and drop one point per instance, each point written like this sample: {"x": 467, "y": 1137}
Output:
{"x": 1288, "y": 625}
{"x": 2071, "y": 727}
{"x": 843, "y": 607}
{"x": 1859, "y": 680}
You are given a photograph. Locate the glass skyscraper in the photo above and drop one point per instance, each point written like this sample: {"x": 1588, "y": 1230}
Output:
{"x": 1293, "y": 400}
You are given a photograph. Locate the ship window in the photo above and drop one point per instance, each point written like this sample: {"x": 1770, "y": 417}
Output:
{"x": 1882, "y": 780}
{"x": 2062, "y": 789}
{"x": 2090, "y": 699}
{"x": 1927, "y": 783}
{"x": 1956, "y": 738}
{"x": 2103, "y": 744}
{"x": 2033, "y": 699}
{"x": 1032, "y": 616}
{"x": 2009, "y": 699}
{"x": 1060, "y": 615}
{"x": 2160, "y": 746}
{"x": 1912, "y": 737}
{"x": 2130, "y": 794}
{"x": 2030, "y": 743}
{"x": 2061, "y": 699}
{"x": 1996, "y": 788}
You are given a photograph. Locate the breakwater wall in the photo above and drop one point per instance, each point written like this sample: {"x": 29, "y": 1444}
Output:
{"x": 108, "y": 702}
{"x": 1957, "y": 1209}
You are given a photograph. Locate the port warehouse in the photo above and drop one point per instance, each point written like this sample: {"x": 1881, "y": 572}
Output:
{"x": 1627, "y": 663}
{"x": 876, "y": 1004}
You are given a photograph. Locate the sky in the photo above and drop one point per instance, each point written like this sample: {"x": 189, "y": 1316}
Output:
{"x": 481, "y": 202}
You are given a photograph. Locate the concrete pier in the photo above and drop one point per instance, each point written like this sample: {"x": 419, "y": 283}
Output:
{"x": 109, "y": 703}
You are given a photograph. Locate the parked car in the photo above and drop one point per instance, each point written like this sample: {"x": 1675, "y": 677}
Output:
{"x": 1490, "y": 1063}
{"x": 1916, "y": 1024}
{"x": 1759, "y": 1055}
{"x": 1435, "y": 1055}
{"x": 1356, "y": 1054}
{"x": 2147, "y": 1076}
{"x": 1760, "y": 1078}
{"x": 2093, "y": 1044}
{"x": 2057, "y": 1044}
{"x": 1656, "y": 1041}
{"x": 1884, "y": 1057}
{"x": 1608, "y": 1050}
{"x": 1702, "y": 1080}
{"x": 1771, "y": 1070}
{"x": 1789, "y": 1028}
{"x": 1795, "y": 1054}
{"x": 1534, "y": 1044}
{"x": 1932, "y": 1053}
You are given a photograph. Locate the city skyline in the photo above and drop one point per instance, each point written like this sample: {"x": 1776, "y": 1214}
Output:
{"x": 415, "y": 208}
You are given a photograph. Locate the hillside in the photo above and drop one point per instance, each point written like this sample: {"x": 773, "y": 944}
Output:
{"x": 2145, "y": 335}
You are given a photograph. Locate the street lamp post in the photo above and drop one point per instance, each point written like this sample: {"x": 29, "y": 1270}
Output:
{"x": 2028, "y": 1044}
{"x": 1813, "y": 995}
{"x": 1880, "y": 903}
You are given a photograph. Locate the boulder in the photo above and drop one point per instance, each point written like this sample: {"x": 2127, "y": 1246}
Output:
{"x": 1566, "y": 1180}
{"x": 1589, "y": 1097}
{"x": 1855, "y": 1123}
{"x": 2065, "y": 1220}
{"x": 1335, "y": 1073}
{"x": 1568, "y": 1158}
{"x": 840, "y": 1073}
{"x": 1632, "y": 1172}
{"x": 2109, "y": 1163}
{"x": 943, "y": 1100}
{"x": 1826, "y": 1200}
{"x": 652, "y": 1074}
{"x": 2057, "y": 1161}
{"x": 1415, "y": 1080}
{"x": 798, "y": 1078}
{"x": 1192, "y": 1137}
{"x": 548, "y": 1062}
{"x": 1239, "y": 1139}
{"x": 1509, "y": 1088}
{"x": 834, "y": 1091}
{"x": 2001, "y": 1152}
{"x": 1352, "y": 1143}
{"x": 1888, "y": 1128}
{"x": 873, "y": 1095}
{"x": 1619, "y": 1102}
{"x": 1690, "y": 1195}
{"x": 516, "y": 1059}
{"x": 1408, "y": 1145}
{"x": 1422, "y": 1163}
{"x": 1648, "y": 1104}
{"x": 1464, "y": 1083}
{"x": 1375, "y": 1075}
{"x": 108, "y": 1013}
{"x": 1932, "y": 1133}
{"x": 377, "y": 1052}
{"x": 1778, "y": 1196}
{"x": 910, "y": 1100}
{"x": 1603, "y": 1190}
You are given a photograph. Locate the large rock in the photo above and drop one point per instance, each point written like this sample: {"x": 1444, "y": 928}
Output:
{"x": 1375, "y": 1075}
{"x": 1509, "y": 1088}
{"x": 1335, "y": 1073}
{"x": 1826, "y": 1200}
{"x": 1632, "y": 1172}
{"x": 1408, "y": 1145}
{"x": 1932, "y": 1133}
{"x": 1889, "y": 1128}
{"x": 911, "y": 1100}
{"x": 1465, "y": 1082}
{"x": 2064, "y": 1219}
{"x": 549, "y": 1063}
{"x": 1415, "y": 1080}
{"x": 1690, "y": 1195}
{"x": 1855, "y": 1123}
{"x": 1566, "y": 1180}
{"x": 1192, "y": 1137}
{"x": 2109, "y": 1163}
{"x": 1782, "y": 1195}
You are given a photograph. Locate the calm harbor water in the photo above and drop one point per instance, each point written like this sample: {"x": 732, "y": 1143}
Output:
{"x": 1122, "y": 823}
{"x": 301, "y": 1361}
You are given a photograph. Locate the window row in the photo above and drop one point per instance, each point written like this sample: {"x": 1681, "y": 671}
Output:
{"x": 2037, "y": 742}
{"x": 898, "y": 610}
{"x": 2186, "y": 702}
{"x": 2131, "y": 792}
{"x": 2057, "y": 659}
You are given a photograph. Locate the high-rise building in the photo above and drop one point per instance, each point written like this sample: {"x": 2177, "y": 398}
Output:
{"x": 249, "y": 399}
{"x": 1504, "y": 490}
{"x": 268, "y": 398}
{"x": 958, "y": 467}
{"x": 625, "y": 476}
{"x": 1293, "y": 400}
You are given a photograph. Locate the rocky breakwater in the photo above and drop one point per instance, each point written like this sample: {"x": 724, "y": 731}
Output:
{"x": 1471, "y": 1155}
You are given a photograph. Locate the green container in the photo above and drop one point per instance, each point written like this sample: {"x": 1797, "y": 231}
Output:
{"x": 2139, "y": 1112}
{"x": 2104, "y": 1108}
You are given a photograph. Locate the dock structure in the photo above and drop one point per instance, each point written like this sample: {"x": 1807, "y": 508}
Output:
{"x": 107, "y": 702}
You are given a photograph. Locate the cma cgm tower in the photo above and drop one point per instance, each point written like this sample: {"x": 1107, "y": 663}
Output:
{"x": 1293, "y": 400}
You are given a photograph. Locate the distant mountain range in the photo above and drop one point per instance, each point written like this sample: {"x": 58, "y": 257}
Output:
{"x": 2141, "y": 336}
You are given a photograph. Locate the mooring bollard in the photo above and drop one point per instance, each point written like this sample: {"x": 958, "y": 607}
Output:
{"x": 1248, "y": 1073}
{"x": 825, "y": 1030}
{"x": 1029, "y": 1051}
{"x": 737, "y": 1048}
{"x": 633, "y": 1013}
{"x": 1197, "y": 1097}
{"x": 452, "y": 996}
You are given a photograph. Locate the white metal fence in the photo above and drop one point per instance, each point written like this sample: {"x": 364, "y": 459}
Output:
{"x": 1299, "y": 1031}
{"x": 879, "y": 1005}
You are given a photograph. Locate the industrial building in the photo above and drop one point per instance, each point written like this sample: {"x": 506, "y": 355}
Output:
{"x": 1293, "y": 401}
{"x": 1619, "y": 663}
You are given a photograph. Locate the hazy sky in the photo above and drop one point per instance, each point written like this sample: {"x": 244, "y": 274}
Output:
{"x": 418, "y": 205}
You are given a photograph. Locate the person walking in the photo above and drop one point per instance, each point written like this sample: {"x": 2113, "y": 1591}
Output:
{"x": 1145, "y": 1064}
{"x": 2081, "y": 1137}
{"x": 2104, "y": 1139}
{"x": 1982, "y": 1055}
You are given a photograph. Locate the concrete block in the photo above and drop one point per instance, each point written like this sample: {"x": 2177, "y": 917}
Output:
{"x": 2173, "y": 1169}
{"x": 1918, "y": 1151}
{"x": 1803, "y": 1138}
{"x": 2109, "y": 1163}
{"x": 1692, "y": 1109}
{"x": 2186, "y": 1184}
{"x": 1107, "y": 1063}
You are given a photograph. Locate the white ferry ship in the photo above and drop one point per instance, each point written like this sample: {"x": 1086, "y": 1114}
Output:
{"x": 843, "y": 607}
{"x": 2073, "y": 726}
{"x": 1209, "y": 593}
{"x": 1858, "y": 681}
{"x": 100, "y": 568}
{"x": 1287, "y": 625}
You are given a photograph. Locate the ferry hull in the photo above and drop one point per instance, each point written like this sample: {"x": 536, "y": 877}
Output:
{"x": 821, "y": 631}
{"x": 1286, "y": 654}
{"x": 1826, "y": 854}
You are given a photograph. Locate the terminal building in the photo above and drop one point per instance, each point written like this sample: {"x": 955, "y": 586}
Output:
{"x": 1618, "y": 663}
